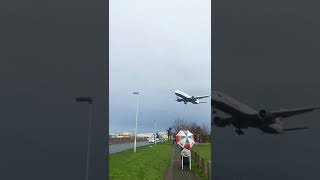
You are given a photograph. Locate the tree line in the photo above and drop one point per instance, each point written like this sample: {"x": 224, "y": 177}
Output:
{"x": 201, "y": 131}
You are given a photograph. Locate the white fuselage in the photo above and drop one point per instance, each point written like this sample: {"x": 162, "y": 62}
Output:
{"x": 230, "y": 105}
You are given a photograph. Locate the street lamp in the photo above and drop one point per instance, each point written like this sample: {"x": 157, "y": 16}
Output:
{"x": 155, "y": 132}
{"x": 89, "y": 101}
{"x": 135, "y": 132}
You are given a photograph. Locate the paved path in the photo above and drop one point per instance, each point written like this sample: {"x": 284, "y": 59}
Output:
{"x": 174, "y": 171}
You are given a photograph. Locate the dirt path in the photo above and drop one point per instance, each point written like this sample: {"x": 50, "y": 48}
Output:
{"x": 174, "y": 171}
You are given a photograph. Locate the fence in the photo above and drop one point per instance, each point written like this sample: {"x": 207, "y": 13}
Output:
{"x": 204, "y": 166}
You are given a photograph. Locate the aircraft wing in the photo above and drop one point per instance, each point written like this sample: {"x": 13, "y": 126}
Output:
{"x": 292, "y": 112}
{"x": 296, "y": 128}
{"x": 201, "y": 97}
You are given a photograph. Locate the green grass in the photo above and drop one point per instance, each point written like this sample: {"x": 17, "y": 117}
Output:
{"x": 204, "y": 150}
{"x": 196, "y": 170}
{"x": 148, "y": 163}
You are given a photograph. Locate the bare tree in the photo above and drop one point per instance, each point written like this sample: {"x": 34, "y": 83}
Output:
{"x": 201, "y": 131}
{"x": 179, "y": 124}
{"x": 206, "y": 128}
{"x": 169, "y": 133}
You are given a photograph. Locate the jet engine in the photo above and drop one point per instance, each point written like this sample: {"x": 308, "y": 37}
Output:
{"x": 179, "y": 100}
{"x": 220, "y": 122}
{"x": 265, "y": 115}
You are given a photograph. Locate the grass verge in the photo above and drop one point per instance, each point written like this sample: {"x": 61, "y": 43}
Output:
{"x": 204, "y": 151}
{"x": 148, "y": 163}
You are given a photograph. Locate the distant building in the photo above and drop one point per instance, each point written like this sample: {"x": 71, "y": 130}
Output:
{"x": 113, "y": 135}
{"x": 144, "y": 135}
{"x": 163, "y": 135}
{"x": 125, "y": 134}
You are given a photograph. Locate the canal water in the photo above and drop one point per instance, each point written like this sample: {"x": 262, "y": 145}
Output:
{"x": 114, "y": 148}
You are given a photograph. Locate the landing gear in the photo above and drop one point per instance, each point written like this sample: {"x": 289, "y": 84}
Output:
{"x": 239, "y": 131}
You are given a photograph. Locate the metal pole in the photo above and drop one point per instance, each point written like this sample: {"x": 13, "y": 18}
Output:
{"x": 154, "y": 130}
{"x": 155, "y": 127}
{"x": 135, "y": 132}
{"x": 89, "y": 141}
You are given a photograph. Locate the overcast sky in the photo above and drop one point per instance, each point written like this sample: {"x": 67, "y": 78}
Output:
{"x": 157, "y": 47}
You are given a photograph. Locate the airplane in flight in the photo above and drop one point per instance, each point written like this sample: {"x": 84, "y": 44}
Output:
{"x": 181, "y": 96}
{"x": 243, "y": 116}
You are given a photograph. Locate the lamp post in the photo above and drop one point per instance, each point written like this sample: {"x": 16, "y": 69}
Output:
{"x": 135, "y": 131}
{"x": 89, "y": 101}
{"x": 155, "y": 132}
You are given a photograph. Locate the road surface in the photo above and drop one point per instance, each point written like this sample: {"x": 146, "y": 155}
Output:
{"x": 114, "y": 148}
